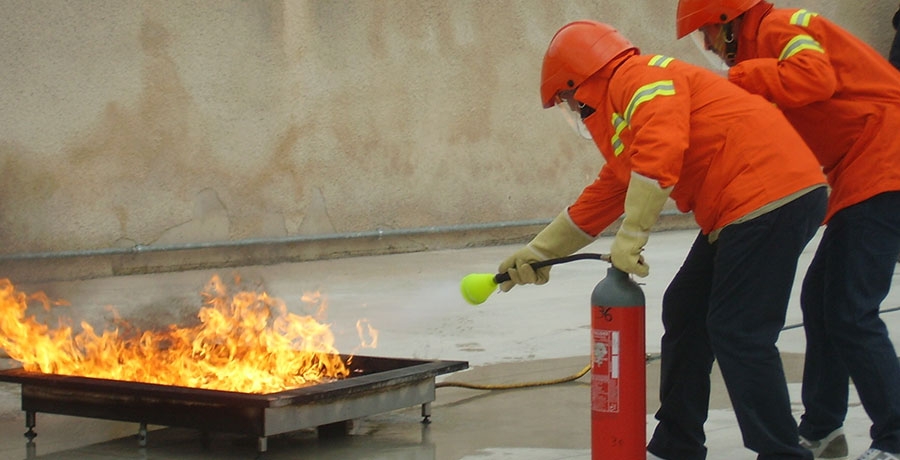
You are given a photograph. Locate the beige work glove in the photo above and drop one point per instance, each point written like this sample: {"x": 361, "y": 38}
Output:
{"x": 644, "y": 201}
{"x": 559, "y": 238}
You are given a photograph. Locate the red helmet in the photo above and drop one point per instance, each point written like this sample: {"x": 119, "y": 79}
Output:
{"x": 694, "y": 14}
{"x": 576, "y": 52}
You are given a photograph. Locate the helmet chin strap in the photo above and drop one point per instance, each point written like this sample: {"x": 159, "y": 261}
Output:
{"x": 585, "y": 110}
{"x": 730, "y": 43}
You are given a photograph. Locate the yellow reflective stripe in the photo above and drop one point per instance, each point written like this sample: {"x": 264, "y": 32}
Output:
{"x": 618, "y": 126}
{"x": 798, "y": 44}
{"x": 802, "y": 17}
{"x": 648, "y": 92}
{"x": 660, "y": 61}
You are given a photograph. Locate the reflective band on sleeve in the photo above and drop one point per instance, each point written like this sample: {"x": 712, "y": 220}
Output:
{"x": 660, "y": 61}
{"x": 618, "y": 126}
{"x": 798, "y": 44}
{"x": 648, "y": 92}
{"x": 802, "y": 17}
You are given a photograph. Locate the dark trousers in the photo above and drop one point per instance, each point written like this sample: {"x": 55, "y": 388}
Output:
{"x": 849, "y": 277}
{"x": 728, "y": 303}
{"x": 894, "y": 54}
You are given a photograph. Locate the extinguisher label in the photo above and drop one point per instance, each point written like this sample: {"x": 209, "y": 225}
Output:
{"x": 605, "y": 379}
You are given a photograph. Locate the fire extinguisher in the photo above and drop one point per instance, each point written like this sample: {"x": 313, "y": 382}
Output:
{"x": 618, "y": 369}
{"x": 618, "y": 357}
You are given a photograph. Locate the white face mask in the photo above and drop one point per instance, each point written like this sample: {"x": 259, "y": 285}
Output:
{"x": 571, "y": 111}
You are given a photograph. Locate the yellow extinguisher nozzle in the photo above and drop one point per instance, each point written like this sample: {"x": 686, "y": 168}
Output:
{"x": 477, "y": 287}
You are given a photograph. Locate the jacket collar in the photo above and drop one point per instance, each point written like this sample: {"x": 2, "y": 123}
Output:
{"x": 593, "y": 90}
{"x": 750, "y": 21}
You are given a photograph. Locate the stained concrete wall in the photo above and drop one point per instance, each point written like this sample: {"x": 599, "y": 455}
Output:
{"x": 161, "y": 135}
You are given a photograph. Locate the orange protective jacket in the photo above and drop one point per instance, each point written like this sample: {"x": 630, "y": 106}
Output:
{"x": 839, "y": 93}
{"x": 726, "y": 152}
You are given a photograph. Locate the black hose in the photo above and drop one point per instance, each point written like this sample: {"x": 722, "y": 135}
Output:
{"x": 503, "y": 277}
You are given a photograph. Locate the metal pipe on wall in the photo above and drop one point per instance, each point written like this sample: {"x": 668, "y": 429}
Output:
{"x": 378, "y": 233}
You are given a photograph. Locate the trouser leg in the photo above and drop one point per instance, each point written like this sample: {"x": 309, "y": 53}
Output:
{"x": 753, "y": 276}
{"x": 825, "y": 378}
{"x": 686, "y": 359}
{"x": 854, "y": 270}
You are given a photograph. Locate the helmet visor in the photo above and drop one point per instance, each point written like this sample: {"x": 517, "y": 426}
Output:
{"x": 571, "y": 111}
{"x": 713, "y": 41}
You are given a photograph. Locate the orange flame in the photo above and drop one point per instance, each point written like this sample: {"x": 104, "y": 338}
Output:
{"x": 368, "y": 335}
{"x": 246, "y": 342}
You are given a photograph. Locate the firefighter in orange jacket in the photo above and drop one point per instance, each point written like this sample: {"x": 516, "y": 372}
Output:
{"x": 668, "y": 129}
{"x": 844, "y": 99}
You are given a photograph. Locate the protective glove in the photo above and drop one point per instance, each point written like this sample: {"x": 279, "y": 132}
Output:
{"x": 560, "y": 238}
{"x": 644, "y": 201}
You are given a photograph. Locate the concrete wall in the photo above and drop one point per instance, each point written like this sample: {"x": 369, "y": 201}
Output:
{"x": 142, "y": 136}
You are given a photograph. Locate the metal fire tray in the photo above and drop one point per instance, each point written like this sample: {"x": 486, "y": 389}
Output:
{"x": 375, "y": 385}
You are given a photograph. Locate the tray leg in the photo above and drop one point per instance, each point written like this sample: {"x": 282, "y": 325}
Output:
{"x": 29, "y": 423}
{"x": 142, "y": 435}
{"x": 262, "y": 444}
{"x": 30, "y": 447}
{"x": 426, "y": 413}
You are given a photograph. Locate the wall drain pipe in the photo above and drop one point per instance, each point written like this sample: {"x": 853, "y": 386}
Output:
{"x": 249, "y": 242}
{"x": 376, "y": 234}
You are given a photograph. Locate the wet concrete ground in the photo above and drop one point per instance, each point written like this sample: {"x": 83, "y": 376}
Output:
{"x": 529, "y": 335}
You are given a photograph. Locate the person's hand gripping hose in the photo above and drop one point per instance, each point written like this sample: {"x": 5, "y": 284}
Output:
{"x": 559, "y": 238}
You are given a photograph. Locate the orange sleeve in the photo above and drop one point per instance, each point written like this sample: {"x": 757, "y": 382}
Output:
{"x": 793, "y": 68}
{"x": 600, "y": 203}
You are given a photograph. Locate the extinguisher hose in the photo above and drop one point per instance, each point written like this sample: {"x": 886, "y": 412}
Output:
{"x": 511, "y": 386}
{"x": 581, "y": 373}
{"x": 503, "y": 277}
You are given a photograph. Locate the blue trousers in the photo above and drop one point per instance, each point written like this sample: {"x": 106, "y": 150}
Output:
{"x": 728, "y": 303}
{"x": 894, "y": 53}
{"x": 849, "y": 277}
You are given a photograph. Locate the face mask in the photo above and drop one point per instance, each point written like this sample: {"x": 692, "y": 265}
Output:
{"x": 571, "y": 110}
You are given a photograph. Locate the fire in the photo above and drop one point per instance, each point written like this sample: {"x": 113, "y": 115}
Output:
{"x": 245, "y": 341}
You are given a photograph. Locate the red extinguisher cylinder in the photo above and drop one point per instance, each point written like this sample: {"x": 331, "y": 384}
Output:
{"x": 618, "y": 369}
